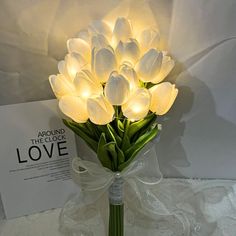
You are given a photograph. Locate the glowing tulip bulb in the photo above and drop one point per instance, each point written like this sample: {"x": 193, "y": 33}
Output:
{"x": 86, "y": 85}
{"x": 74, "y": 63}
{"x": 137, "y": 106}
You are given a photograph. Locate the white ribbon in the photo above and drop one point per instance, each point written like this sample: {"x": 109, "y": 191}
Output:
{"x": 140, "y": 178}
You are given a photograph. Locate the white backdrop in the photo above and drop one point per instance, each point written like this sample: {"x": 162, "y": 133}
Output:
{"x": 199, "y": 139}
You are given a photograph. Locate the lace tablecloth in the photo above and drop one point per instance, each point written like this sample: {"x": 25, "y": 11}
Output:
{"x": 204, "y": 208}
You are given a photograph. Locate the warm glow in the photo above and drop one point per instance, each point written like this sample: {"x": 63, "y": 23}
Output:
{"x": 137, "y": 108}
{"x": 86, "y": 94}
{"x": 72, "y": 72}
{"x": 115, "y": 63}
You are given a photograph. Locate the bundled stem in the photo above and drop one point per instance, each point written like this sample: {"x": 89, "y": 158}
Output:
{"x": 116, "y": 220}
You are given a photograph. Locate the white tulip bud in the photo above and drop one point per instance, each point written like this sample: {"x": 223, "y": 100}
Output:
{"x": 103, "y": 63}
{"x": 61, "y": 86}
{"x": 117, "y": 89}
{"x": 163, "y": 97}
{"x": 128, "y": 52}
{"x": 100, "y": 111}
{"x": 122, "y": 31}
{"x": 79, "y": 46}
{"x": 166, "y": 67}
{"x": 148, "y": 38}
{"x": 137, "y": 106}
{"x": 74, "y": 107}
{"x": 99, "y": 41}
{"x": 74, "y": 63}
{"x": 84, "y": 34}
{"x": 86, "y": 85}
{"x": 149, "y": 65}
{"x": 100, "y": 27}
{"x": 129, "y": 73}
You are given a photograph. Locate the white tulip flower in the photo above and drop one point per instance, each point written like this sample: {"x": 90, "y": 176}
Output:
{"x": 166, "y": 67}
{"x": 74, "y": 107}
{"x": 137, "y": 106}
{"x": 149, "y": 65}
{"x": 103, "y": 63}
{"x": 100, "y": 27}
{"x": 148, "y": 38}
{"x": 122, "y": 31}
{"x": 129, "y": 73}
{"x": 100, "y": 111}
{"x": 72, "y": 64}
{"x": 79, "y": 46}
{"x": 163, "y": 97}
{"x": 99, "y": 41}
{"x": 117, "y": 89}
{"x": 61, "y": 86}
{"x": 86, "y": 85}
{"x": 84, "y": 34}
{"x": 128, "y": 52}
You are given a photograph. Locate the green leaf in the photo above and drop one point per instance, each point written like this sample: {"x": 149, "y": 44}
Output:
{"x": 111, "y": 147}
{"x": 102, "y": 152}
{"x": 83, "y": 133}
{"x": 138, "y": 125}
{"x": 114, "y": 135}
{"x": 120, "y": 128}
{"x": 120, "y": 154}
{"x": 140, "y": 143}
{"x": 117, "y": 154}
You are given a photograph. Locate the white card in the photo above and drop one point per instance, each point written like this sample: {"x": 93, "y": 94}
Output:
{"x": 35, "y": 153}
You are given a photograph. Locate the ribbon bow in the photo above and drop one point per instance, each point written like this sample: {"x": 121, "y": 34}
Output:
{"x": 94, "y": 180}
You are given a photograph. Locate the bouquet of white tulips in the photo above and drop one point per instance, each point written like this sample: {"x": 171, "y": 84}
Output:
{"x": 110, "y": 88}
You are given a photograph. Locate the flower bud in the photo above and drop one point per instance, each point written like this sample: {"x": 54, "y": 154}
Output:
{"x": 100, "y": 111}
{"x": 137, "y": 106}
{"x": 128, "y": 52}
{"x": 166, "y": 66}
{"x": 163, "y": 97}
{"x": 148, "y": 38}
{"x": 74, "y": 107}
{"x": 74, "y": 63}
{"x": 79, "y": 46}
{"x": 117, "y": 89}
{"x": 122, "y": 31}
{"x": 103, "y": 63}
{"x": 149, "y": 65}
{"x": 86, "y": 85}
{"x": 61, "y": 86}
{"x": 129, "y": 73}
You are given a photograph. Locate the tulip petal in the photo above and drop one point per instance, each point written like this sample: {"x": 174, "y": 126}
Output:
{"x": 129, "y": 73}
{"x": 74, "y": 107}
{"x": 148, "y": 38}
{"x": 74, "y": 63}
{"x": 84, "y": 34}
{"x": 117, "y": 89}
{"x": 163, "y": 97}
{"x": 99, "y": 41}
{"x": 86, "y": 85}
{"x": 61, "y": 86}
{"x": 137, "y": 106}
{"x": 100, "y": 111}
{"x": 166, "y": 67}
{"x": 100, "y": 27}
{"x": 79, "y": 46}
{"x": 149, "y": 65}
{"x": 104, "y": 62}
{"x": 122, "y": 31}
{"x": 128, "y": 52}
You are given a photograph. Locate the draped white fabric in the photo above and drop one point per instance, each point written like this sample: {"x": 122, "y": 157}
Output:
{"x": 199, "y": 138}
{"x": 202, "y": 207}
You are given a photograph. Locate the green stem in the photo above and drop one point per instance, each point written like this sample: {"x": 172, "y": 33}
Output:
{"x": 116, "y": 220}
